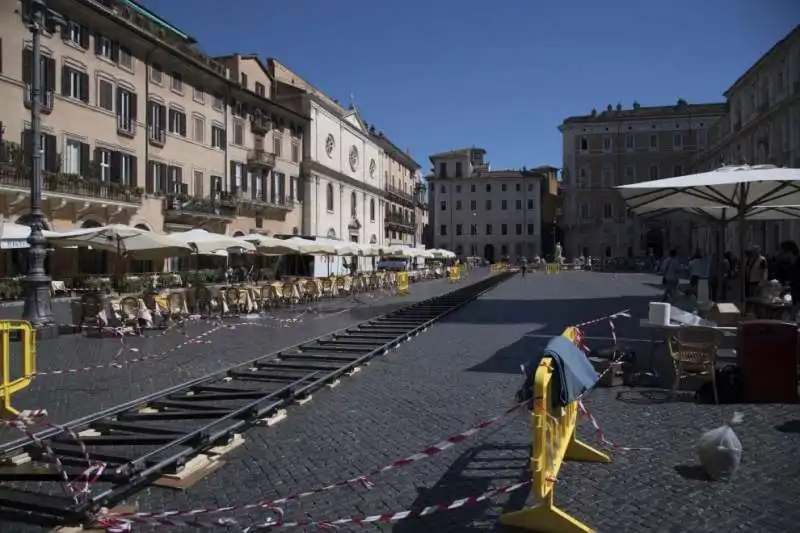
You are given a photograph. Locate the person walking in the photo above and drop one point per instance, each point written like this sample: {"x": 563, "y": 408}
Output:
{"x": 669, "y": 271}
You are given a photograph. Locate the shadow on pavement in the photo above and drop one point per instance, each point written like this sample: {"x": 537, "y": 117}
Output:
{"x": 475, "y": 472}
{"x": 790, "y": 426}
{"x": 692, "y": 472}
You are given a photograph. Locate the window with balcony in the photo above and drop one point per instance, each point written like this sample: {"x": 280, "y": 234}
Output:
{"x": 74, "y": 84}
{"x": 217, "y": 137}
{"x": 105, "y": 48}
{"x": 488, "y": 229}
{"x": 105, "y": 94}
{"x": 123, "y": 168}
{"x": 198, "y": 95}
{"x": 125, "y": 59}
{"x": 156, "y": 122}
{"x": 259, "y": 188}
{"x": 77, "y": 34}
{"x": 329, "y": 197}
{"x": 198, "y": 183}
{"x": 503, "y": 229}
{"x": 518, "y": 229}
{"x": 277, "y": 144}
{"x": 443, "y": 230}
{"x": 76, "y": 158}
{"x": 216, "y": 184}
{"x": 218, "y": 103}
{"x": 458, "y": 205}
{"x": 238, "y": 132}
{"x": 47, "y": 71}
{"x": 198, "y": 129}
{"x": 126, "y": 111}
{"x": 156, "y": 179}
{"x": 174, "y": 183}
{"x": 156, "y": 73}
{"x": 103, "y": 161}
{"x": 177, "y": 122}
{"x": 238, "y": 177}
{"x": 176, "y": 82}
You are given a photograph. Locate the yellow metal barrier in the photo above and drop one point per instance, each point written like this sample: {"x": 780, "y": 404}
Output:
{"x": 402, "y": 283}
{"x": 552, "y": 268}
{"x": 554, "y": 441}
{"x": 454, "y": 273}
{"x": 28, "y": 345}
{"x": 499, "y": 267}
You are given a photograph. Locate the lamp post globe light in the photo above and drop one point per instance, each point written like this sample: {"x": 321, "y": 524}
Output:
{"x": 38, "y": 307}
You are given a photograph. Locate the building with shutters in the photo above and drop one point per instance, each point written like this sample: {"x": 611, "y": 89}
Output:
{"x": 141, "y": 127}
{"x": 343, "y": 169}
{"x": 479, "y": 212}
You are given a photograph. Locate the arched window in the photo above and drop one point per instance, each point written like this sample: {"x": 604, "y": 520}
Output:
{"x": 372, "y": 209}
{"x": 329, "y": 197}
{"x": 353, "y": 205}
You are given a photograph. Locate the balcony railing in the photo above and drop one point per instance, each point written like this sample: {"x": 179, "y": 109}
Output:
{"x": 220, "y": 205}
{"x": 258, "y": 157}
{"x": 399, "y": 195}
{"x": 399, "y": 221}
{"x": 260, "y": 124}
{"x": 47, "y": 98}
{"x": 58, "y": 184}
{"x": 156, "y": 136}
{"x": 126, "y": 126}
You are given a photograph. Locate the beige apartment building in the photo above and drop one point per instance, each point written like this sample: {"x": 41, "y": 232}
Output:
{"x": 399, "y": 168}
{"x": 476, "y": 211}
{"x": 761, "y": 126}
{"x": 140, "y": 127}
{"x": 618, "y": 146}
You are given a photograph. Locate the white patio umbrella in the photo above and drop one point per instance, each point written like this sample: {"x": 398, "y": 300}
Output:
{"x": 271, "y": 246}
{"x": 206, "y": 243}
{"x": 315, "y": 247}
{"x": 730, "y": 192}
{"x": 123, "y": 240}
{"x": 15, "y": 236}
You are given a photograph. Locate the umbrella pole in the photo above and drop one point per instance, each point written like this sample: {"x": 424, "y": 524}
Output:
{"x": 742, "y": 270}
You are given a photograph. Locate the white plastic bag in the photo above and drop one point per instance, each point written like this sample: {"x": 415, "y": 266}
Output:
{"x": 720, "y": 451}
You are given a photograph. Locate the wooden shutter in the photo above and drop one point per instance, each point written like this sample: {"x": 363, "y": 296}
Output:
{"x": 162, "y": 115}
{"x": 96, "y": 166}
{"x": 184, "y": 189}
{"x": 178, "y": 177}
{"x": 170, "y": 187}
{"x": 244, "y": 177}
{"x": 97, "y": 48}
{"x": 149, "y": 187}
{"x": 84, "y": 37}
{"x": 134, "y": 107}
{"x": 116, "y": 164}
{"x": 65, "y": 80}
{"x": 50, "y": 74}
{"x": 182, "y": 124}
{"x": 51, "y": 154}
{"x": 162, "y": 171}
{"x": 85, "y": 162}
{"x": 134, "y": 172}
{"x": 84, "y": 87}
{"x": 232, "y": 177}
{"x": 27, "y": 66}
{"x": 254, "y": 182}
{"x": 27, "y": 148}
{"x": 115, "y": 52}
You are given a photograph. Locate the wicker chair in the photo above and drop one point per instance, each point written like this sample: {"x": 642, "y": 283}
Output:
{"x": 694, "y": 353}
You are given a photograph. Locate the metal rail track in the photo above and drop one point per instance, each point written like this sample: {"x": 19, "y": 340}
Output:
{"x": 158, "y": 434}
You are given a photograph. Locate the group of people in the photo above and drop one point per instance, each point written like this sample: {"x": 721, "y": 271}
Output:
{"x": 723, "y": 273}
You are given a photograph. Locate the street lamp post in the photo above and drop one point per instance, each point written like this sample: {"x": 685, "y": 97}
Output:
{"x": 38, "y": 309}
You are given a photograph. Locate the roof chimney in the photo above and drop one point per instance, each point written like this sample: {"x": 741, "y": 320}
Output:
{"x": 636, "y": 105}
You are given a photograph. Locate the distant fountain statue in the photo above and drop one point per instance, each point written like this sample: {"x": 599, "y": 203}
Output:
{"x": 559, "y": 258}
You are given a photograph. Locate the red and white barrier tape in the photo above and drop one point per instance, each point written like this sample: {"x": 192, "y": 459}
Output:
{"x": 363, "y": 480}
{"x": 118, "y": 525}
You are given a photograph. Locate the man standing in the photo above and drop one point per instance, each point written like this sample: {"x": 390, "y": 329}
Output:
{"x": 756, "y": 271}
{"x": 669, "y": 269}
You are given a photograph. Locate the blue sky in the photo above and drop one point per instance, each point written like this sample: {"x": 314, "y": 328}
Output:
{"x": 441, "y": 74}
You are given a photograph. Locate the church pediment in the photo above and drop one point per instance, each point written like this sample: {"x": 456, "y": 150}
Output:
{"x": 354, "y": 120}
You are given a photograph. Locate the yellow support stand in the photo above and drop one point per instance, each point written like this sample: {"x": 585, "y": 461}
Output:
{"x": 554, "y": 441}
{"x": 9, "y": 386}
{"x": 402, "y": 283}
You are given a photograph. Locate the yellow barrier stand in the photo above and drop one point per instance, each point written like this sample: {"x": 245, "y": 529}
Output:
{"x": 454, "y": 274}
{"x": 554, "y": 441}
{"x": 463, "y": 268}
{"x": 28, "y": 343}
{"x": 402, "y": 283}
{"x": 552, "y": 268}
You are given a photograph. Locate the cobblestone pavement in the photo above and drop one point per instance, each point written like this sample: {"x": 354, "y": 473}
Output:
{"x": 466, "y": 368}
{"x": 68, "y": 396}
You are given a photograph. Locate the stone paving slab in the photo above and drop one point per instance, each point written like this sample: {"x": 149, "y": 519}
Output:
{"x": 69, "y": 396}
{"x": 465, "y": 368}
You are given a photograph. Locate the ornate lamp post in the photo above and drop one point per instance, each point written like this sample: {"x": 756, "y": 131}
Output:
{"x": 38, "y": 309}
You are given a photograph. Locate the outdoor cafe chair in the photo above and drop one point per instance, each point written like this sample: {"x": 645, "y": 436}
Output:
{"x": 694, "y": 353}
